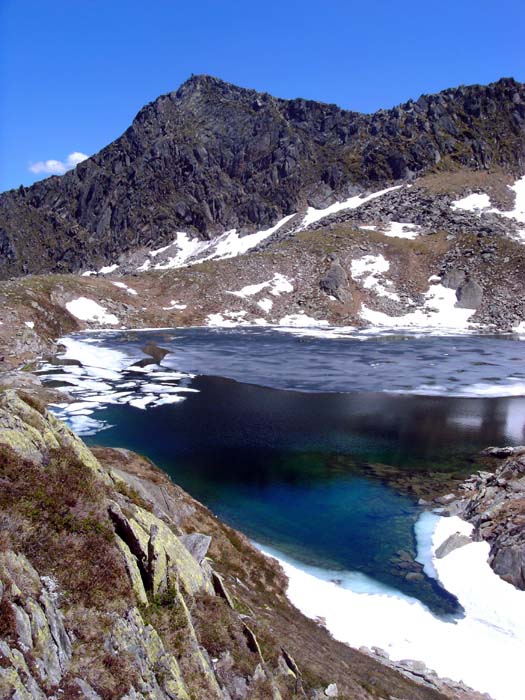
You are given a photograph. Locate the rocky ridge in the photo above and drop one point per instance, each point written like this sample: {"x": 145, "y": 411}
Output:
{"x": 212, "y": 156}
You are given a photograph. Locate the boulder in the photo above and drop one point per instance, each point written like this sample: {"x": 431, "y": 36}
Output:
{"x": 453, "y": 278}
{"x": 335, "y": 282}
{"x": 197, "y": 545}
{"x": 453, "y": 542}
{"x": 469, "y": 295}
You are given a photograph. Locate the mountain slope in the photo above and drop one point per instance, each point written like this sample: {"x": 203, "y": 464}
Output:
{"x": 212, "y": 156}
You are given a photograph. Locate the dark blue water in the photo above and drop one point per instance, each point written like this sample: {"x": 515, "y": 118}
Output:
{"x": 283, "y": 465}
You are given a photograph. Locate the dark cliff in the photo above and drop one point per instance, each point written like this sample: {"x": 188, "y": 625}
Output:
{"x": 212, "y": 156}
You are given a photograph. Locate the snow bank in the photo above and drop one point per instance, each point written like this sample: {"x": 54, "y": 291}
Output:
{"x": 438, "y": 312}
{"x": 485, "y": 649}
{"x": 88, "y": 310}
{"x": 188, "y": 250}
{"x": 312, "y": 215}
{"x": 278, "y": 285}
{"x": 368, "y": 270}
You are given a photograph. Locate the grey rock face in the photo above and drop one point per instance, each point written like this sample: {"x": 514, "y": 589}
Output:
{"x": 469, "y": 295}
{"x": 197, "y": 545}
{"x": 335, "y": 282}
{"x": 495, "y": 505}
{"x": 453, "y": 279}
{"x": 453, "y": 542}
{"x": 212, "y": 156}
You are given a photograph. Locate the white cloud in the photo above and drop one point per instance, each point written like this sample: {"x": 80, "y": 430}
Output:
{"x": 57, "y": 167}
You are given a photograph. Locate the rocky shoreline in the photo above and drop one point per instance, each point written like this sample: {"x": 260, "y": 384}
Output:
{"x": 493, "y": 502}
{"x": 168, "y": 603}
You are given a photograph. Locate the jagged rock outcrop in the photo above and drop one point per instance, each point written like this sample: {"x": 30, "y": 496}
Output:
{"x": 211, "y": 156}
{"x": 495, "y": 504}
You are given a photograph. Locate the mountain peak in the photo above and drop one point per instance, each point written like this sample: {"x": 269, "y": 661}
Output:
{"x": 213, "y": 156}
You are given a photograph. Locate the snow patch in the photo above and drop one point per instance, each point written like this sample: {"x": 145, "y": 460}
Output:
{"x": 438, "y": 312}
{"x": 265, "y": 304}
{"x": 108, "y": 269}
{"x": 484, "y": 649}
{"x": 312, "y": 215}
{"x": 276, "y": 286}
{"x": 473, "y": 202}
{"x": 190, "y": 251}
{"x": 121, "y": 285}
{"x": 89, "y": 310}
{"x": 226, "y": 319}
{"x": 29, "y": 324}
{"x": 369, "y": 270}
{"x": 396, "y": 229}
{"x": 480, "y": 203}
{"x": 175, "y": 306}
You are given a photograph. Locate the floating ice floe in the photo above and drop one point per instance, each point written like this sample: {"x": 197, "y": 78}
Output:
{"x": 89, "y": 310}
{"x": 106, "y": 376}
{"x": 484, "y": 649}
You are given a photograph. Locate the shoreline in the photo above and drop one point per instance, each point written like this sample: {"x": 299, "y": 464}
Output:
{"x": 403, "y": 630}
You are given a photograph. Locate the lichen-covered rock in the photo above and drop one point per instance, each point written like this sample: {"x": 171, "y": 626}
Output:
{"x": 39, "y": 627}
{"x": 32, "y": 433}
{"x": 159, "y": 672}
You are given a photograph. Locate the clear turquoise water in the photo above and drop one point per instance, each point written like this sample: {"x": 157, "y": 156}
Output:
{"x": 278, "y": 463}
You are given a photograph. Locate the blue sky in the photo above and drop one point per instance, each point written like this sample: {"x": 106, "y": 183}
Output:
{"x": 75, "y": 72}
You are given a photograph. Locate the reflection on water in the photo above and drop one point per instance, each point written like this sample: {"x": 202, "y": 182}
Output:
{"x": 283, "y": 463}
{"x": 279, "y": 465}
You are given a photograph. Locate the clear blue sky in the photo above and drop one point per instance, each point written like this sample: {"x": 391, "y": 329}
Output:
{"x": 75, "y": 72}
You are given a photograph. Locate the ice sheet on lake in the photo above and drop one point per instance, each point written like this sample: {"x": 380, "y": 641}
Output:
{"x": 105, "y": 376}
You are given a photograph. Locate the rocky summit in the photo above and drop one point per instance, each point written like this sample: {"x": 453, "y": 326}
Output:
{"x": 211, "y": 157}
